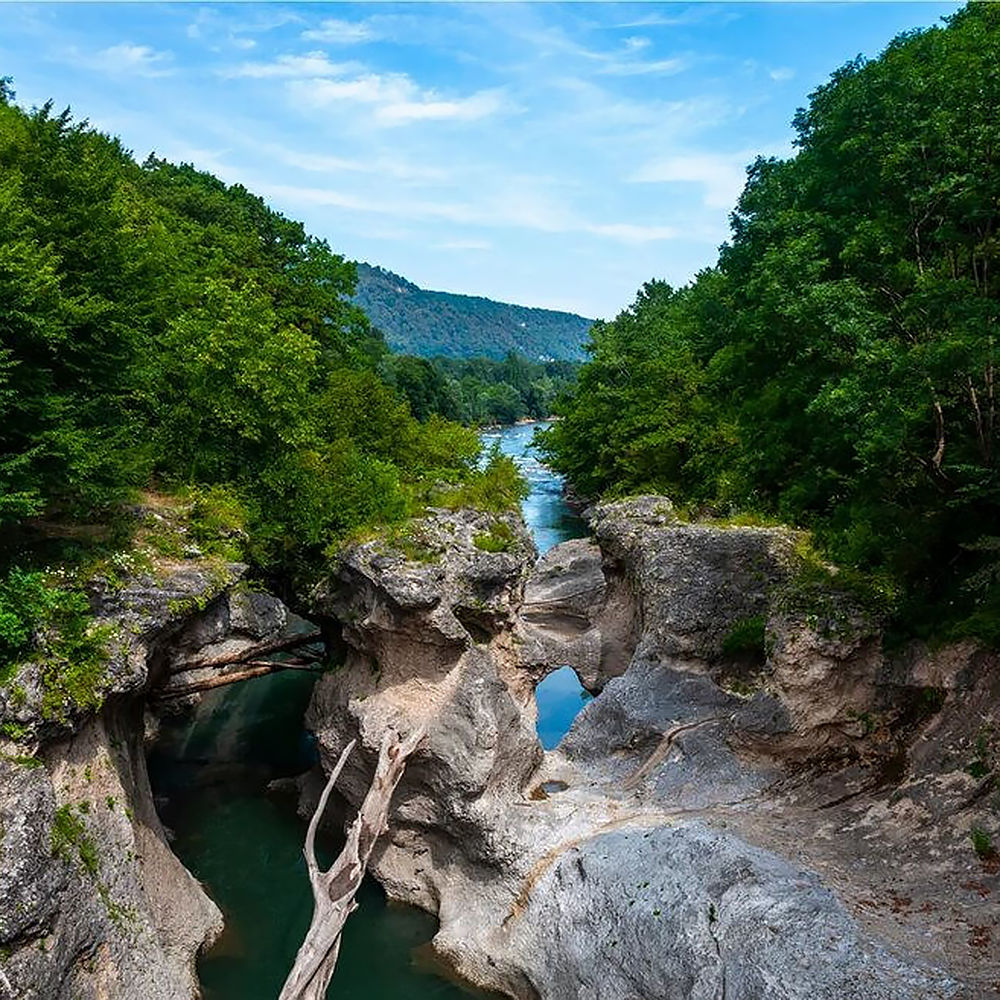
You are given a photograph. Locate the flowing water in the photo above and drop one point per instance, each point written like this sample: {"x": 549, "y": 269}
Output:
{"x": 210, "y": 773}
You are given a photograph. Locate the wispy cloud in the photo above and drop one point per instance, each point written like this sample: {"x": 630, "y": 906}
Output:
{"x": 720, "y": 175}
{"x": 337, "y": 32}
{"x": 396, "y": 98}
{"x": 638, "y": 67}
{"x": 508, "y": 209}
{"x": 781, "y": 73}
{"x": 126, "y": 59}
{"x": 695, "y": 14}
{"x": 312, "y": 64}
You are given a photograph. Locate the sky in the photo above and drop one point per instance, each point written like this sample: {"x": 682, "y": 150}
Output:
{"x": 548, "y": 154}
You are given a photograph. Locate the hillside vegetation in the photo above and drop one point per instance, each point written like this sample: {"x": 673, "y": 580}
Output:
{"x": 479, "y": 391}
{"x": 838, "y": 367}
{"x": 416, "y": 321}
{"x": 159, "y": 329}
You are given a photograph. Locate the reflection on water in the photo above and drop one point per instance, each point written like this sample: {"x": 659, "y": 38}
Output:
{"x": 548, "y": 518}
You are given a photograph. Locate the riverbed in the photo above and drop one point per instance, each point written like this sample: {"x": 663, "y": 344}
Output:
{"x": 211, "y": 772}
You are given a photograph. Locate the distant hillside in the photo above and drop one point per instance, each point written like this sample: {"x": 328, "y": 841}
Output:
{"x": 464, "y": 326}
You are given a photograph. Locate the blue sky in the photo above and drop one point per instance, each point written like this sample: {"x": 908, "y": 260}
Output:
{"x": 547, "y": 154}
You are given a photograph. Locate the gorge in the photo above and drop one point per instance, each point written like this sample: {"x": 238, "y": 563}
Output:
{"x": 722, "y": 820}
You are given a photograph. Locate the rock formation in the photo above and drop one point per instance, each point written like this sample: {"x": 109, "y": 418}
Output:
{"x": 725, "y": 820}
{"x": 94, "y": 902}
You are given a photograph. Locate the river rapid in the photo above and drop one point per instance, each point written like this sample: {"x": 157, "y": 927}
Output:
{"x": 210, "y": 773}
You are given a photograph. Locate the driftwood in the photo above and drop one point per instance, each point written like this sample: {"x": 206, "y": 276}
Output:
{"x": 334, "y": 889}
{"x": 251, "y": 652}
{"x": 254, "y": 668}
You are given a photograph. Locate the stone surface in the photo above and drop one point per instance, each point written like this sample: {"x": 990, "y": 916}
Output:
{"x": 711, "y": 834}
{"x": 95, "y": 906}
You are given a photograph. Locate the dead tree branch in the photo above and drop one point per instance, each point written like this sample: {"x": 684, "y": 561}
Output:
{"x": 334, "y": 889}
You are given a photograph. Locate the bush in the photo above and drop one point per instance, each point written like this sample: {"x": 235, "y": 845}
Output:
{"x": 36, "y": 617}
{"x": 500, "y": 538}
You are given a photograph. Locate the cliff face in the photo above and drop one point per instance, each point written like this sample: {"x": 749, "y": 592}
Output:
{"x": 95, "y": 904}
{"x": 727, "y": 818}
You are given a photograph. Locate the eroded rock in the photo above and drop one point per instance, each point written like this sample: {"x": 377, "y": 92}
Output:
{"x": 656, "y": 852}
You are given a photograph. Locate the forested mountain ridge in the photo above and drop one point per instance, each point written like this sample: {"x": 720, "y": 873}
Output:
{"x": 414, "y": 320}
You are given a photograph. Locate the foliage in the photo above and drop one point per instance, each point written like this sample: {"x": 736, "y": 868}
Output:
{"x": 479, "y": 391}
{"x": 36, "y": 617}
{"x": 837, "y": 368}
{"x": 745, "y": 638}
{"x": 500, "y": 538}
{"x": 497, "y": 487}
{"x": 428, "y": 324}
{"x": 982, "y": 843}
{"x": 160, "y": 328}
{"x": 68, "y": 836}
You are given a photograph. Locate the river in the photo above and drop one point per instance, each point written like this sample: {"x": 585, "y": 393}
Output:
{"x": 210, "y": 774}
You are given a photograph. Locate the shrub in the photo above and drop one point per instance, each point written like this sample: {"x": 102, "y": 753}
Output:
{"x": 499, "y": 538}
{"x": 746, "y": 638}
{"x": 982, "y": 843}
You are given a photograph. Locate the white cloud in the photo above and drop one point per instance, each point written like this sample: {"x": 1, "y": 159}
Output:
{"x": 127, "y": 60}
{"x": 339, "y": 32}
{"x": 657, "y": 67}
{"x": 626, "y": 232}
{"x": 781, "y": 73}
{"x": 721, "y": 176}
{"x": 398, "y": 99}
{"x": 466, "y": 109}
{"x": 635, "y": 43}
{"x": 695, "y": 14}
{"x": 312, "y": 64}
{"x": 506, "y": 210}
{"x": 400, "y": 169}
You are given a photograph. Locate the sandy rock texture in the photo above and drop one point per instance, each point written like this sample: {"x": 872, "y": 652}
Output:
{"x": 722, "y": 821}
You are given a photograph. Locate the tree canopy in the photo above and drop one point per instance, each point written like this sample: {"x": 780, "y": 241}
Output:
{"x": 161, "y": 328}
{"x": 837, "y": 367}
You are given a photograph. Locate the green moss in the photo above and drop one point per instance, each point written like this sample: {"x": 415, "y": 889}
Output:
{"x": 69, "y": 838}
{"x": 982, "y": 843}
{"x": 834, "y": 600}
{"x": 746, "y": 638}
{"x": 22, "y": 760}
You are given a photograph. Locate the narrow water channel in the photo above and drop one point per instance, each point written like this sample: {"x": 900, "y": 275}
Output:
{"x": 210, "y": 772}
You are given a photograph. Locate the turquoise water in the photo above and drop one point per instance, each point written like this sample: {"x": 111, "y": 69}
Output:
{"x": 545, "y": 512}
{"x": 560, "y": 697}
{"x": 244, "y": 844}
{"x": 210, "y": 773}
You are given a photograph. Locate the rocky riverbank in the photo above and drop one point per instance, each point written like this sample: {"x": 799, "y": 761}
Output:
{"x": 758, "y": 802}
{"x": 94, "y": 902}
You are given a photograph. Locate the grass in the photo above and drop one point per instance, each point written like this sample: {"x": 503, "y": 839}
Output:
{"x": 746, "y": 638}
{"x": 69, "y": 836}
{"x": 42, "y": 620}
{"x": 500, "y": 538}
{"x": 982, "y": 843}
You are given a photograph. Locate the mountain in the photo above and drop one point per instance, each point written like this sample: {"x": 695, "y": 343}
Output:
{"x": 417, "y": 321}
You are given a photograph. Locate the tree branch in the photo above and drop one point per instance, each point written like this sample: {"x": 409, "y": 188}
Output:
{"x": 334, "y": 889}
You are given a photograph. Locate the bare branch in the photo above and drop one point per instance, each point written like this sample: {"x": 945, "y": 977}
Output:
{"x": 251, "y": 652}
{"x": 334, "y": 890}
{"x": 310, "y": 845}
